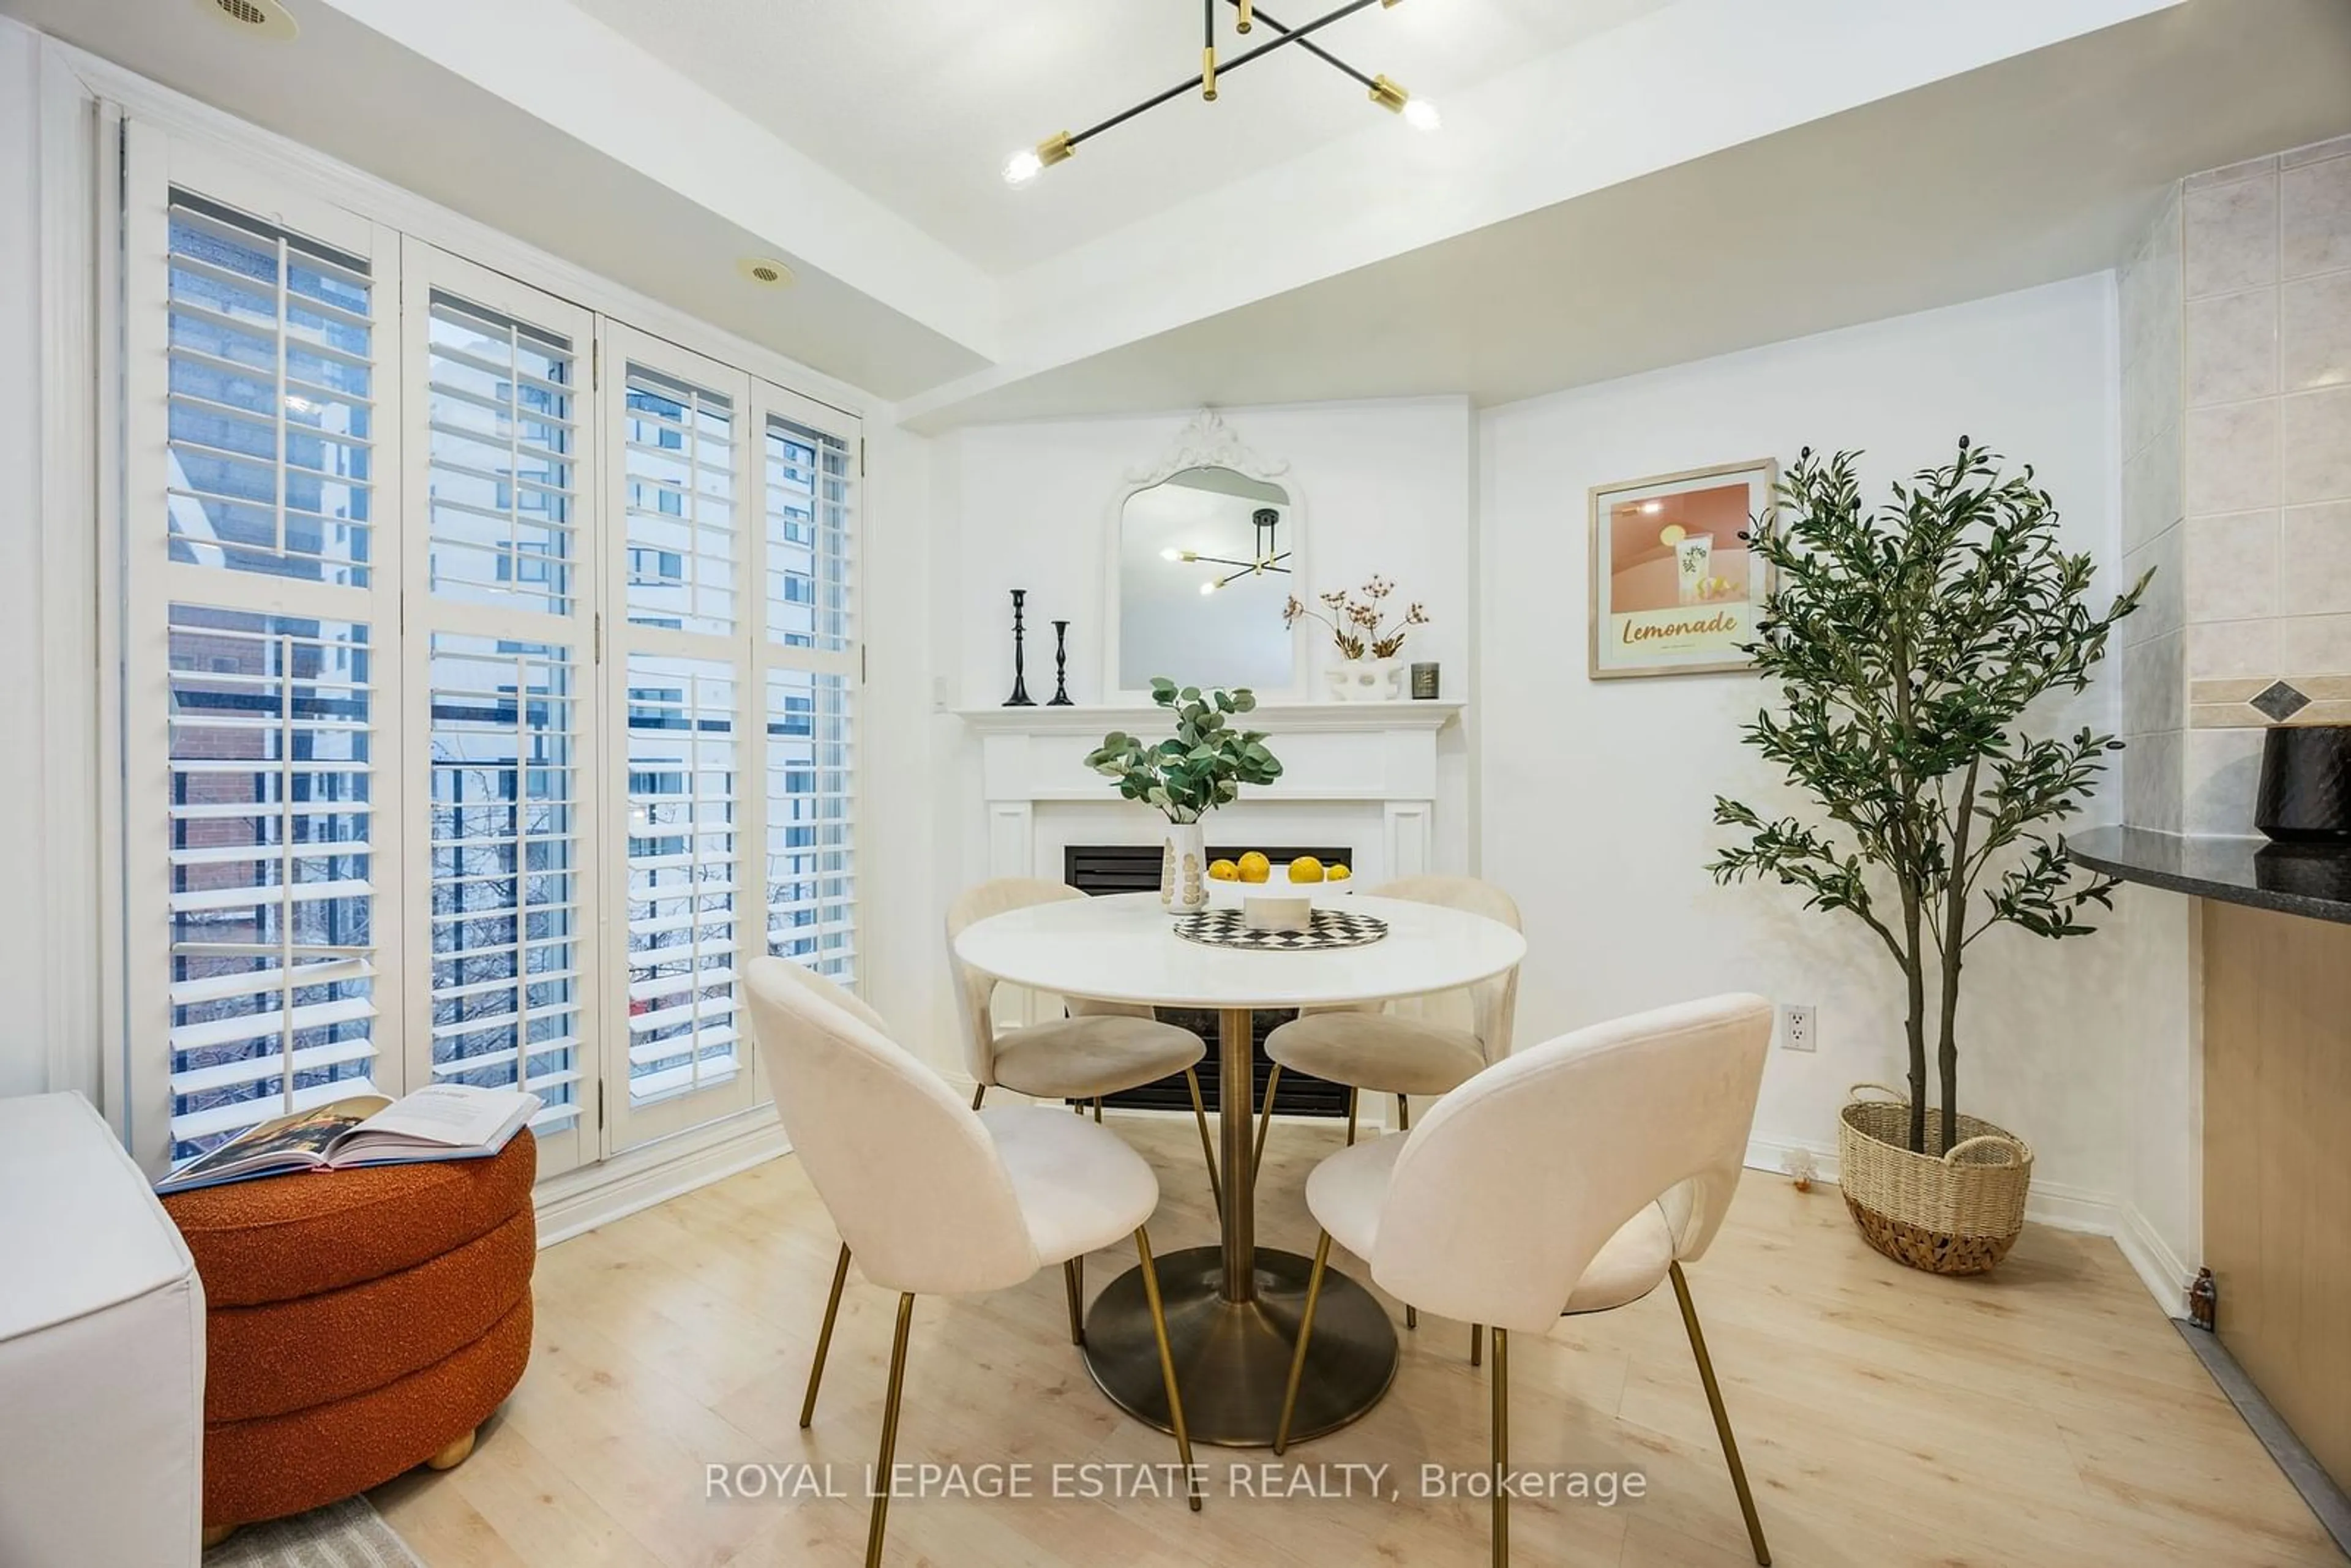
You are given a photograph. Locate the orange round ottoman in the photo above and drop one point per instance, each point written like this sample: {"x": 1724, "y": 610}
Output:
{"x": 357, "y": 1323}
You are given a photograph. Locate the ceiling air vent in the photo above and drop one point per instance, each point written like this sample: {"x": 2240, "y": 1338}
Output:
{"x": 254, "y": 18}
{"x": 764, "y": 270}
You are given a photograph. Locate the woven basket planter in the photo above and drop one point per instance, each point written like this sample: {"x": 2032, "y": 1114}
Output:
{"x": 1955, "y": 1213}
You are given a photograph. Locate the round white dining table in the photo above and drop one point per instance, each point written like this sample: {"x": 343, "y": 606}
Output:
{"x": 1232, "y": 1310}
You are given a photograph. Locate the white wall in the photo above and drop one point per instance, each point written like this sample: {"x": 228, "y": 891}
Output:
{"x": 1384, "y": 486}
{"x": 1597, "y": 812}
{"x": 24, "y": 1047}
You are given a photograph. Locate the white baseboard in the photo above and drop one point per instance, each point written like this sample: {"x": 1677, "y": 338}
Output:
{"x": 2159, "y": 1268}
{"x": 2051, "y": 1204}
{"x": 596, "y": 1195}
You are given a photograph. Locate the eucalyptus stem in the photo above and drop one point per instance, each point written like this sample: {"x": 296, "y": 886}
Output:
{"x": 1202, "y": 766}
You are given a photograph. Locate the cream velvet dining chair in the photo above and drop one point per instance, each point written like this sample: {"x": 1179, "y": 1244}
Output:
{"x": 1390, "y": 1052}
{"x": 1574, "y": 1177}
{"x": 1102, "y": 1047}
{"x": 931, "y": 1197}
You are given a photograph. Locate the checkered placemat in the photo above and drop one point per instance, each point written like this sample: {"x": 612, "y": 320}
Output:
{"x": 1332, "y": 928}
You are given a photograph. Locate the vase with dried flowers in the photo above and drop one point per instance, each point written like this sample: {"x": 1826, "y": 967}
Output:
{"x": 1368, "y": 634}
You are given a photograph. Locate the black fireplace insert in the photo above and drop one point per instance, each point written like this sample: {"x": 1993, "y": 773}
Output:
{"x": 1101, "y": 869}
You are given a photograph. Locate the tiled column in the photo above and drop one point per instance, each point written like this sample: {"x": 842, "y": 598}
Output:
{"x": 2154, "y": 700}
{"x": 2266, "y": 382}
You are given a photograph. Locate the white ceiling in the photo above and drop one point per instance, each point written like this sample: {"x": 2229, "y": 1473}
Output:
{"x": 347, "y": 91}
{"x": 2043, "y": 166}
{"x": 917, "y": 102}
{"x": 1621, "y": 184}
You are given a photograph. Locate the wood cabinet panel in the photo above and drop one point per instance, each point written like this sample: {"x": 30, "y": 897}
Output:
{"x": 2277, "y": 1162}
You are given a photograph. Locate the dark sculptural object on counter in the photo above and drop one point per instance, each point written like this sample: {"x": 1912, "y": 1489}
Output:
{"x": 2305, "y": 790}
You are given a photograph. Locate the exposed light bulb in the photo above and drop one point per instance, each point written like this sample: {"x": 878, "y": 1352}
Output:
{"x": 1171, "y": 553}
{"x": 1022, "y": 167}
{"x": 1651, "y": 509}
{"x": 1421, "y": 115}
{"x": 1209, "y": 587}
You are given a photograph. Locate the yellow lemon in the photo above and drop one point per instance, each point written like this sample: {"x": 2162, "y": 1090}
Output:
{"x": 1224, "y": 871}
{"x": 1306, "y": 868}
{"x": 1339, "y": 873}
{"x": 1671, "y": 535}
{"x": 1255, "y": 867}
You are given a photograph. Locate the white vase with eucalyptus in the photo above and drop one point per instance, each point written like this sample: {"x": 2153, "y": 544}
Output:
{"x": 1200, "y": 767}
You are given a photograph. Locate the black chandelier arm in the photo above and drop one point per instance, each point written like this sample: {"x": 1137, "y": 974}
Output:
{"x": 1260, "y": 571}
{"x": 1248, "y": 8}
{"x": 1296, "y": 36}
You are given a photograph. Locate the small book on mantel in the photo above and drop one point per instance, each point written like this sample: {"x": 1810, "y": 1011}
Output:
{"x": 444, "y": 1122}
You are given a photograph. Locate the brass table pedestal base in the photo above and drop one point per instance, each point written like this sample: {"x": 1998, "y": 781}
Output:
{"x": 1232, "y": 1358}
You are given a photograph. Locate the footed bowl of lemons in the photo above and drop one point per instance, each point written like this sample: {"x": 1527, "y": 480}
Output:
{"x": 1278, "y": 896}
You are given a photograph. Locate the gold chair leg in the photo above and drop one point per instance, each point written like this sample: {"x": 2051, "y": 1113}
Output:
{"x": 1097, "y": 1109}
{"x": 1264, "y": 1121}
{"x": 1721, "y": 1417}
{"x": 881, "y": 1486}
{"x": 1298, "y": 1355}
{"x": 1167, "y": 1364}
{"x": 978, "y": 1092}
{"x": 1207, "y": 1145}
{"x": 1351, "y": 1118}
{"x": 824, "y": 1336}
{"x": 1477, "y": 1343}
{"x": 1073, "y": 1279}
{"x": 1501, "y": 1449}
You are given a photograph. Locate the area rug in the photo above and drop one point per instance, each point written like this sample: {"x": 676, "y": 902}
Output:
{"x": 345, "y": 1534}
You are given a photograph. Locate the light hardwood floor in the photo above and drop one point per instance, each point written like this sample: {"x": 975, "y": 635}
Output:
{"x": 2046, "y": 1415}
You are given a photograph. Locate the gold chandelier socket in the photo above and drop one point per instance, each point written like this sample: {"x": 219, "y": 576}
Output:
{"x": 1247, "y": 19}
{"x": 1387, "y": 94}
{"x": 1054, "y": 149}
{"x": 1208, "y": 73}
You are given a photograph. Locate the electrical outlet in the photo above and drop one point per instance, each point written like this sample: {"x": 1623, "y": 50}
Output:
{"x": 1799, "y": 1027}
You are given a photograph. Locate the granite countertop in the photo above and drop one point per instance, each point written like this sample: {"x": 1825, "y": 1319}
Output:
{"x": 2309, "y": 879}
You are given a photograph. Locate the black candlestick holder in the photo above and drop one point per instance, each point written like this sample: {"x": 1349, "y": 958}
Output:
{"x": 1060, "y": 666}
{"x": 1019, "y": 697}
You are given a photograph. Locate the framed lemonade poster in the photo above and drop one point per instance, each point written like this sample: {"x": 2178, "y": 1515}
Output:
{"x": 1674, "y": 589}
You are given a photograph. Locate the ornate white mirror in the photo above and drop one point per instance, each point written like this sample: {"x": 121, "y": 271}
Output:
{"x": 1204, "y": 550}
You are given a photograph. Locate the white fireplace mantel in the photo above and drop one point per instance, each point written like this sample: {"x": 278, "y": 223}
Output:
{"x": 1362, "y": 773}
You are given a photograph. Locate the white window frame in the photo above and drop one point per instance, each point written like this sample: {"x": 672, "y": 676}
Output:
{"x": 563, "y": 1142}
{"x": 160, "y": 137}
{"x": 154, "y": 166}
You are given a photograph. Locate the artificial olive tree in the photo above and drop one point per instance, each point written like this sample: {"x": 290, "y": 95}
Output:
{"x": 1908, "y": 644}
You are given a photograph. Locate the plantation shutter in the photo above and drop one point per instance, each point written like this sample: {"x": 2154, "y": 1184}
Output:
{"x": 811, "y": 637}
{"x": 500, "y": 630}
{"x": 683, "y": 679}
{"x": 262, "y": 837}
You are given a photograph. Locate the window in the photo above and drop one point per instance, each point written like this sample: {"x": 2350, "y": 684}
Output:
{"x": 684, "y": 872}
{"x": 493, "y": 716}
{"x": 272, "y": 896}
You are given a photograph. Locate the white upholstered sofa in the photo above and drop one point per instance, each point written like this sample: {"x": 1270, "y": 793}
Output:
{"x": 101, "y": 1351}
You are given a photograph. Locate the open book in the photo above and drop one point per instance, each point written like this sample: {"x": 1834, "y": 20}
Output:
{"x": 445, "y": 1121}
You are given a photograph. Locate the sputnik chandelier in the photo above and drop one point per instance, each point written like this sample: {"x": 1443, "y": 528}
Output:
{"x": 1267, "y": 522}
{"x": 1419, "y": 113}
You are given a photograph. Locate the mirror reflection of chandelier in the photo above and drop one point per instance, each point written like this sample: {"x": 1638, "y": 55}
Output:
{"x": 1268, "y": 523}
